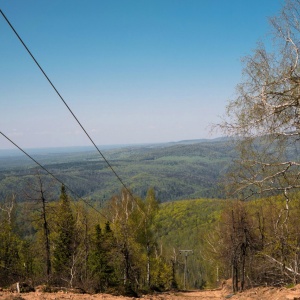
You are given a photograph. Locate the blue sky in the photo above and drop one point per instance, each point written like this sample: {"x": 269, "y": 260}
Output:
{"x": 133, "y": 71}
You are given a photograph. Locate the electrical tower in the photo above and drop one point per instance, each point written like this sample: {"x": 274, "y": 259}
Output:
{"x": 185, "y": 253}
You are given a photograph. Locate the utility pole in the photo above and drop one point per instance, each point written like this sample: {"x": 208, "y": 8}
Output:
{"x": 185, "y": 253}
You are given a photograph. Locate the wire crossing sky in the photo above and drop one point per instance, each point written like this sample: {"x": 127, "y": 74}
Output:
{"x": 67, "y": 106}
{"x": 132, "y": 71}
{"x": 52, "y": 175}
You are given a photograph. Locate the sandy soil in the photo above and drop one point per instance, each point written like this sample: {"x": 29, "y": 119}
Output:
{"x": 261, "y": 293}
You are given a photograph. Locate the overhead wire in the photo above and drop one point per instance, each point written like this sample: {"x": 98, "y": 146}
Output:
{"x": 51, "y": 174}
{"x": 68, "y": 107}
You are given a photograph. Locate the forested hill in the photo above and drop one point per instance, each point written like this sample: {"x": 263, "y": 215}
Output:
{"x": 187, "y": 169}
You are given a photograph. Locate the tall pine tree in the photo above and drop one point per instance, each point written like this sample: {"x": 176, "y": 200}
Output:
{"x": 64, "y": 242}
{"x": 100, "y": 259}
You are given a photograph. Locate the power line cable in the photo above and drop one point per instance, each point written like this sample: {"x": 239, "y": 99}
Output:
{"x": 51, "y": 174}
{"x": 65, "y": 103}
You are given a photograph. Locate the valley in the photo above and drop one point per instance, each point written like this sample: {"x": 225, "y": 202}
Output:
{"x": 183, "y": 170}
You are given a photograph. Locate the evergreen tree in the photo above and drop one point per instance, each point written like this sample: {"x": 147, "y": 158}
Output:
{"x": 102, "y": 271}
{"x": 64, "y": 242}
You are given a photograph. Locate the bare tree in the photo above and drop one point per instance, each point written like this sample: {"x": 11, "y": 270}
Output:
{"x": 39, "y": 192}
{"x": 7, "y": 208}
{"x": 264, "y": 118}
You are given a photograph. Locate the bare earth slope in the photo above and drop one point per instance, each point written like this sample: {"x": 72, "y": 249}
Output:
{"x": 260, "y": 293}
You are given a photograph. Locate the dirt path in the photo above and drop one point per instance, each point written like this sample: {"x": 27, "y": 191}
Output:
{"x": 61, "y": 295}
{"x": 252, "y": 294}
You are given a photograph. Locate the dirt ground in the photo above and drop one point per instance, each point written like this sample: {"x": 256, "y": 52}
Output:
{"x": 260, "y": 293}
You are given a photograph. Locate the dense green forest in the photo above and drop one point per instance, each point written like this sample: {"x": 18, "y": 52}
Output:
{"x": 185, "y": 170}
{"x": 134, "y": 245}
{"x": 131, "y": 245}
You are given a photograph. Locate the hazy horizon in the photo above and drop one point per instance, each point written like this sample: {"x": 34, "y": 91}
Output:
{"x": 78, "y": 148}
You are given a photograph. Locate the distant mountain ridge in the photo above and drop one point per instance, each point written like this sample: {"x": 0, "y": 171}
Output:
{"x": 180, "y": 170}
{"x": 196, "y": 141}
{"x": 73, "y": 149}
